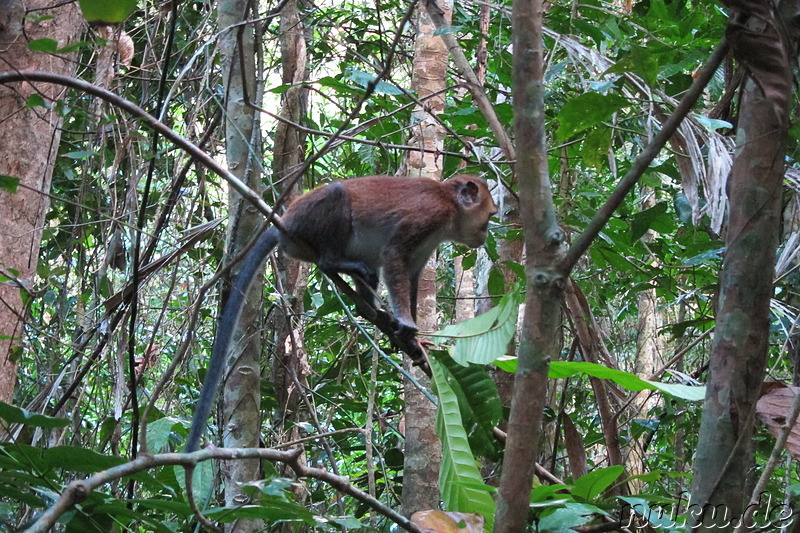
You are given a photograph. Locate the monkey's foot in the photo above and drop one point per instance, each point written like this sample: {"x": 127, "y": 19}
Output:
{"x": 419, "y": 356}
{"x": 405, "y": 330}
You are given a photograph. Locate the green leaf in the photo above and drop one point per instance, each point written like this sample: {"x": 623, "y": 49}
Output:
{"x": 460, "y": 483}
{"x": 587, "y": 111}
{"x": 159, "y": 432}
{"x": 484, "y": 338}
{"x": 16, "y": 415}
{"x": 641, "y": 61}
{"x": 593, "y": 484}
{"x": 9, "y": 183}
{"x": 43, "y": 45}
{"x": 78, "y": 459}
{"x": 712, "y": 124}
{"x": 74, "y": 47}
{"x": 268, "y": 509}
{"x": 447, "y": 29}
{"x": 349, "y": 522}
{"x": 478, "y": 401}
{"x": 202, "y": 480}
{"x": 707, "y": 257}
{"x": 642, "y": 221}
{"x": 80, "y": 155}
{"x": 106, "y": 11}
{"x": 594, "y": 148}
{"x": 661, "y": 520}
{"x": 36, "y": 100}
{"x": 631, "y": 382}
{"x": 682, "y": 208}
{"x": 565, "y": 518}
{"x": 364, "y": 79}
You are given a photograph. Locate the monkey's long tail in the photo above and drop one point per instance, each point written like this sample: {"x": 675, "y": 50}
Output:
{"x": 227, "y": 324}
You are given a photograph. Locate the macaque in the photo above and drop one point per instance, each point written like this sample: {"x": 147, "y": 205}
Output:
{"x": 360, "y": 227}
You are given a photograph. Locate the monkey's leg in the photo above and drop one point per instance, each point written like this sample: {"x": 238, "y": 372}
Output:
{"x": 364, "y": 277}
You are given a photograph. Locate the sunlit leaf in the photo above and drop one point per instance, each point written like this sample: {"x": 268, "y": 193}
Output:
{"x": 43, "y": 45}
{"x": 484, "y": 338}
{"x": 106, "y": 11}
{"x": 631, "y": 382}
{"x": 593, "y": 484}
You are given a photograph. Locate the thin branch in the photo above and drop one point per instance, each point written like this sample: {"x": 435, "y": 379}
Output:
{"x": 472, "y": 82}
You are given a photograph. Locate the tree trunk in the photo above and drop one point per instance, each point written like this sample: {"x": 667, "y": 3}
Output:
{"x": 290, "y": 360}
{"x": 423, "y": 452}
{"x": 545, "y": 284}
{"x": 29, "y": 140}
{"x": 288, "y": 153}
{"x": 739, "y": 351}
{"x": 649, "y": 358}
{"x": 241, "y": 395}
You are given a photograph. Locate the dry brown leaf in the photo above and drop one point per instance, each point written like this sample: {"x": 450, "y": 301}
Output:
{"x": 125, "y": 49}
{"x": 447, "y": 522}
{"x": 772, "y": 409}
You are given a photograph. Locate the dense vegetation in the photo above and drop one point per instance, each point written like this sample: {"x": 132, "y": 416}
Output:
{"x": 641, "y": 303}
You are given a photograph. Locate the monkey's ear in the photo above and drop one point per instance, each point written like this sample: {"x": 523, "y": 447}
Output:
{"x": 469, "y": 194}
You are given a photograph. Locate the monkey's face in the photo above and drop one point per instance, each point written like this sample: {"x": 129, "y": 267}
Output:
{"x": 475, "y": 207}
{"x": 478, "y": 233}
{"x": 475, "y": 222}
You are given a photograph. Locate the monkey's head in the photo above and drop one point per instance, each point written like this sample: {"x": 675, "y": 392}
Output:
{"x": 475, "y": 207}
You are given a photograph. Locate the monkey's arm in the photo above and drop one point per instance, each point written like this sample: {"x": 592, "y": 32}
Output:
{"x": 227, "y": 324}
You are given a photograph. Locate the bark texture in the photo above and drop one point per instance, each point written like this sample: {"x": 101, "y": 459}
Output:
{"x": 423, "y": 452}
{"x": 29, "y": 140}
{"x": 241, "y": 393}
{"x": 739, "y": 352}
{"x": 545, "y": 283}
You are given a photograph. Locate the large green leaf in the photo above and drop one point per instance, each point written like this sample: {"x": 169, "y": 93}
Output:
{"x": 631, "y": 382}
{"x": 643, "y": 221}
{"x": 16, "y": 415}
{"x": 460, "y": 483}
{"x": 273, "y": 510}
{"x": 106, "y": 11}
{"x": 593, "y": 484}
{"x": 202, "y": 480}
{"x": 483, "y": 339}
{"x": 479, "y": 403}
{"x": 587, "y": 111}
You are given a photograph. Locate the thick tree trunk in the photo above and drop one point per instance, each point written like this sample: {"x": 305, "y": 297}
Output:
{"x": 422, "y": 446}
{"x": 241, "y": 394}
{"x": 29, "y": 140}
{"x": 545, "y": 284}
{"x": 739, "y": 352}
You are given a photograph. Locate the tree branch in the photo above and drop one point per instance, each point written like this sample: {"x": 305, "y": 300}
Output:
{"x": 78, "y": 490}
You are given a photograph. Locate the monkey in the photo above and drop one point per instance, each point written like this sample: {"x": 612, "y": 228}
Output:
{"x": 360, "y": 227}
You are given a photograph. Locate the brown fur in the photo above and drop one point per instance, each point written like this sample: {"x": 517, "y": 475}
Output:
{"x": 365, "y": 224}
